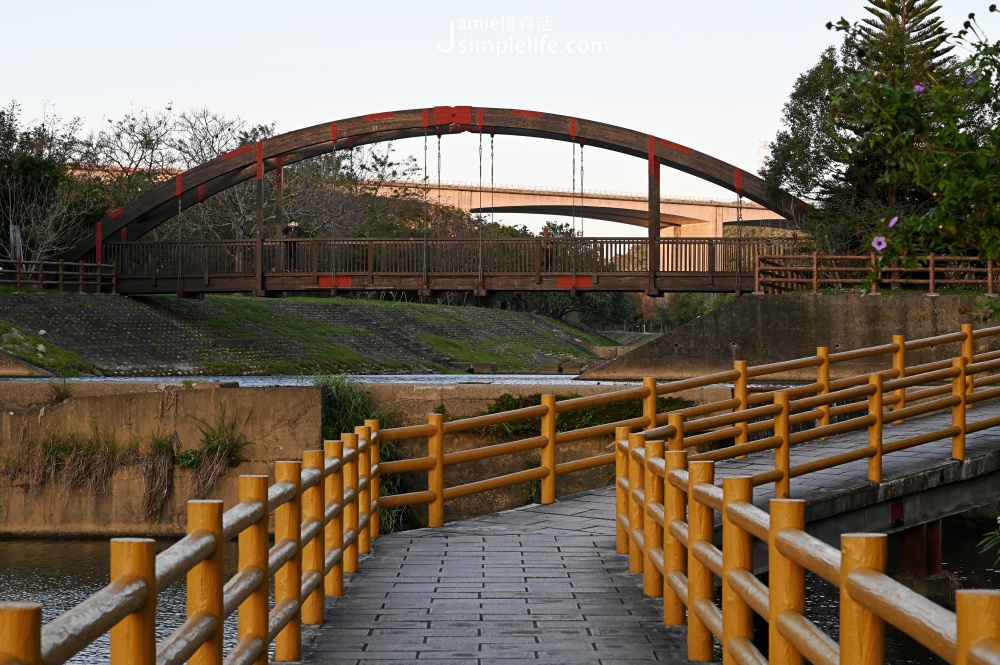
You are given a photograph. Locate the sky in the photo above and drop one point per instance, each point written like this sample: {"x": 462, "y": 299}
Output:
{"x": 710, "y": 75}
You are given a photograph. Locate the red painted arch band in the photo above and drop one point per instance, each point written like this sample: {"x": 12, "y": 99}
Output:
{"x": 379, "y": 116}
{"x": 572, "y": 128}
{"x": 738, "y": 181}
{"x": 651, "y": 156}
{"x": 425, "y": 118}
{"x": 260, "y": 160}
{"x": 179, "y": 184}
{"x": 675, "y": 146}
{"x": 237, "y": 152}
{"x": 201, "y": 193}
{"x": 534, "y": 115}
{"x": 114, "y": 213}
{"x": 479, "y": 119}
{"x": 333, "y": 132}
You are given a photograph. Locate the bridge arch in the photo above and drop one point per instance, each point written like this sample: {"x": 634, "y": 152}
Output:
{"x": 251, "y": 161}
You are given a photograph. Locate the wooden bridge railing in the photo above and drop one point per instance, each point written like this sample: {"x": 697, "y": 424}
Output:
{"x": 813, "y": 272}
{"x": 326, "y": 512}
{"x": 59, "y": 275}
{"x": 434, "y": 256}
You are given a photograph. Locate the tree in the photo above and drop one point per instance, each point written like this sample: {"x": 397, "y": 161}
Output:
{"x": 826, "y": 154}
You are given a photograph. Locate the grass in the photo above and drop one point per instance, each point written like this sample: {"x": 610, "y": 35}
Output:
{"x": 76, "y": 459}
{"x": 43, "y": 353}
{"x": 578, "y": 333}
{"x": 157, "y": 469}
{"x": 222, "y": 446}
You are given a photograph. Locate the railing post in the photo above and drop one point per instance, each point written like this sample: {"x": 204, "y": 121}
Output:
{"x": 875, "y": 429}
{"x": 958, "y": 388}
{"x": 21, "y": 636}
{"x": 288, "y": 579}
{"x": 350, "y": 509}
{"x": 862, "y": 632}
{"x": 674, "y": 556}
{"x": 621, "y": 489}
{"x": 652, "y": 580}
{"x": 740, "y": 393}
{"x": 782, "y": 486}
{"x": 549, "y": 450}
{"x": 700, "y": 581}
{"x": 676, "y": 440}
{"x": 932, "y": 268}
{"x": 649, "y": 402}
{"x": 253, "y": 544}
{"x": 376, "y": 480}
{"x": 978, "y": 618}
{"x": 815, "y": 267}
{"x": 313, "y": 554}
{"x": 635, "y": 509}
{"x": 989, "y": 277}
{"x": 968, "y": 352}
{"x": 133, "y": 639}
{"x": 334, "y": 536}
{"x": 435, "y": 476}
{"x": 899, "y": 364}
{"x": 204, "y": 581}
{"x": 823, "y": 379}
{"x": 364, "y": 481}
{"x": 786, "y": 580}
{"x": 737, "y": 554}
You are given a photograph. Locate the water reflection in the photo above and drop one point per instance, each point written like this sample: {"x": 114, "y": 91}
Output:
{"x": 62, "y": 573}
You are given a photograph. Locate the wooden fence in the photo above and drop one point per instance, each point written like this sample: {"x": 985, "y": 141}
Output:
{"x": 814, "y": 272}
{"x": 59, "y": 275}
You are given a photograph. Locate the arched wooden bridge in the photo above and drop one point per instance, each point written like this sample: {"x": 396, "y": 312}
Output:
{"x": 192, "y": 187}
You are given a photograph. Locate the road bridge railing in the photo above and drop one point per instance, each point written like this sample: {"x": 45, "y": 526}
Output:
{"x": 327, "y": 507}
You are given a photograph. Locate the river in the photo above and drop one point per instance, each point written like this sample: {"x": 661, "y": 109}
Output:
{"x": 60, "y": 574}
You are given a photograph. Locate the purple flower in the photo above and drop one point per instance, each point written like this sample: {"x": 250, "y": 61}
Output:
{"x": 893, "y": 222}
{"x": 879, "y": 243}
{"x": 972, "y": 80}
{"x": 918, "y": 88}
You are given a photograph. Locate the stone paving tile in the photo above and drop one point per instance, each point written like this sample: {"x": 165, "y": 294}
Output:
{"x": 523, "y": 585}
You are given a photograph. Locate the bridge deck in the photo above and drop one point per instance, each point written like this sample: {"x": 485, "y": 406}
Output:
{"x": 543, "y": 583}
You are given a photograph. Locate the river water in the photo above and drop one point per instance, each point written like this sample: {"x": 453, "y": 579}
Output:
{"x": 60, "y": 574}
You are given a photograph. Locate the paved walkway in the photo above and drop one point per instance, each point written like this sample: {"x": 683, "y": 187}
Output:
{"x": 540, "y": 584}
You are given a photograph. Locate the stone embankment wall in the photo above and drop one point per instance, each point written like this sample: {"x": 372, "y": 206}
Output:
{"x": 763, "y": 329}
{"x": 279, "y": 423}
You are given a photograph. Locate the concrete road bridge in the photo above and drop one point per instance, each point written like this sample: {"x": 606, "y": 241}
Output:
{"x": 680, "y": 217}
{"x": 703, "y": 497}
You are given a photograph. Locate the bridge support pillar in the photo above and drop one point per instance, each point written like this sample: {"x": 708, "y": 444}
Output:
{"x": 920, "y": 550}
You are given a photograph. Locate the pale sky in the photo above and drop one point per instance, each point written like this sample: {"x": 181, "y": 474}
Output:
{"x": 710, "y": 75}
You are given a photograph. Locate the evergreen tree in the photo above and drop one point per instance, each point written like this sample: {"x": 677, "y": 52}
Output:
{"x": 902, "y": 39}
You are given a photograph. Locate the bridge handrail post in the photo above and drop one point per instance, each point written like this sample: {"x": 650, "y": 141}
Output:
{"x": 365, "y": 489}
{"x": 350, "y": 508}
{"x": 435, "y": 476}
{"x": 823, "y": 379}
{"x": 737, "y": 554}
{"x": 314, "y": 552}
{"x": 334, "y": 531}
{"x": 782, "y": 429}
{"x": 740, "y": 393}
{"x": 133, "y": 639}
{"x": 958, "y": 388}
{"x": 676, "y": 439}
{"x": 649, "y": 402}
{"x": 931, "y": 276}
{"x": 899, "y": 364}
{"x": 621, "y": 489}
{"x": 652, "y": 579}
{"x": 815, "y": 270}
{"x": 21, "y": 637}
{"x": 376, "y": 480}
{"x": 978, "y": 618}
{"x": 204, "y": 581}
{"x": 635, "y": 509}
{"x": 786, "y": 580}
{"x": 548, "y": 457}
{"x": 862, "y": 632}
{"x": 968, "y": 352}
{"x": 875, "y": 429}
{"x": 674, "y": 556}
{"x": 253, "y": 551}
{"x": 700, "y": 578}
{"x": 288, "y": 578}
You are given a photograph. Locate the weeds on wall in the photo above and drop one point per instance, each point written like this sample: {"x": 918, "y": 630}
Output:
{"x": 77, "y": 460}
{"x": 222, "y": 445}
{"x": 157, "y": 469}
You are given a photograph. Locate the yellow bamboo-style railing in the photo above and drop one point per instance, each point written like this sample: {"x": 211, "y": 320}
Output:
{"x": 326, "y": 512}
{"x": 667, "y": 498}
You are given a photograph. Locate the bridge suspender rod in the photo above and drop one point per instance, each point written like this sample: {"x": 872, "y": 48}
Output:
{"x": 581, "y": 188}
